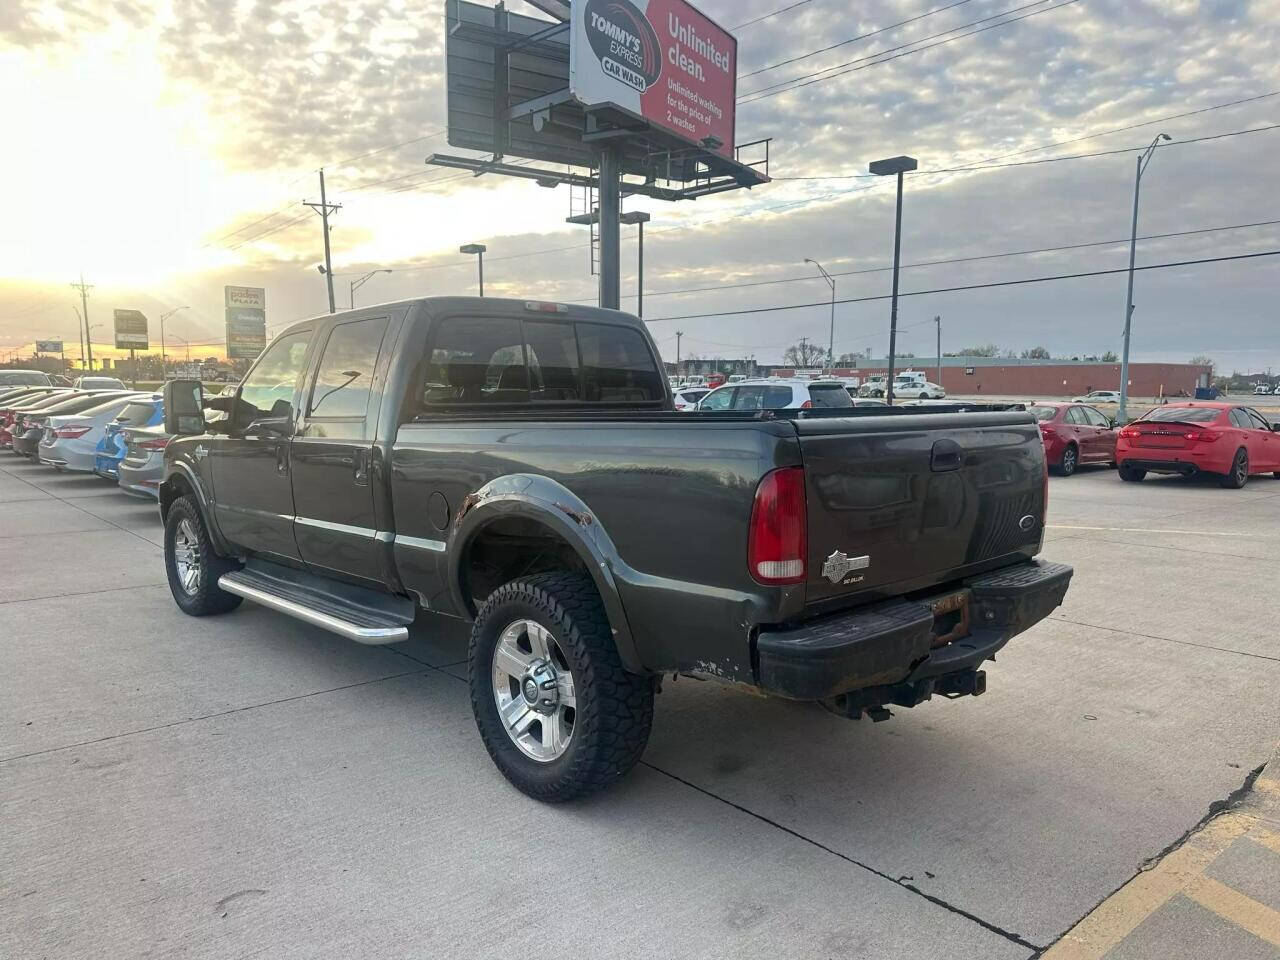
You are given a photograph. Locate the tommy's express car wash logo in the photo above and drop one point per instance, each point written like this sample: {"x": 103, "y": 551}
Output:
{"x": 624, "y": 42}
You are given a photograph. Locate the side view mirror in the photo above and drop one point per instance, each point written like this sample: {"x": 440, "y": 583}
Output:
{"x": 1112, "y": 421}
{"x": 1275, "y": 427}
{"x": 184, "y": 408}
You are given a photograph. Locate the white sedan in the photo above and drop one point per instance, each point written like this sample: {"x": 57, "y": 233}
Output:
{"x": 1100, "y": 396}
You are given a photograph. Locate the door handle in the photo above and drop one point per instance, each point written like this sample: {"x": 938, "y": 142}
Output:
{"x": 361, "y": 472}
{"x": 282, "y": 458}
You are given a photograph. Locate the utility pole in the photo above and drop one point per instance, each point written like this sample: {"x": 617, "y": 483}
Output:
{"x": 804, "y": 352}
{"x": 1122, "y": 415}
{"x": 84, "y": 289}
{"x": 80, "y": 333}
{"x": 324, "y": 208}
{"x": 679, "y": 334}
{"x": 938, "y": 321}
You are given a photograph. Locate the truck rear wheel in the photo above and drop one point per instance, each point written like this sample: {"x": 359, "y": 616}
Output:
{"x": 192, "y": 565}
{"x": 557, "y": 711}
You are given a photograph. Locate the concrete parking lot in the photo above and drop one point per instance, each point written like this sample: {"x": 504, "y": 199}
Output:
{"x": 249, "y": 786}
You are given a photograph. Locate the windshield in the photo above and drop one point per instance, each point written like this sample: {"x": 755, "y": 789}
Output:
{"x": 14, "y": 378}
{"x": 1183, "y": 415}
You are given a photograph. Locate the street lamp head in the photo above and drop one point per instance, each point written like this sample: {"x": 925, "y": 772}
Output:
{"x": 322, "y": 269}
{"x": 472, "y": 248}
{"x": 1165, "y": 136}
{"x": 634, "y": 217}
{"x": 893, "y": 165}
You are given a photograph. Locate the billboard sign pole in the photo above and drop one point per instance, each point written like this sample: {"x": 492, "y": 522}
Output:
{"x": 640, "y": 89}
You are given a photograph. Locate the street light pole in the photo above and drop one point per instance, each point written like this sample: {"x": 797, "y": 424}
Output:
{"x": 163, "y": 318}
{"x": 1143, "y": 159}
{"x": 884, "y": 168}
{"x": 478, "y": 249}
{"x": 831, "y": 341}
{"x": 357, "y": 284}
{"x": 638, "y": 218}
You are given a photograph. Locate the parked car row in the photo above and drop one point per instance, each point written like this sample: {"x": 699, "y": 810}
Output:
{"x": 1201, "y": 437}
{"x": 111, "y": 431}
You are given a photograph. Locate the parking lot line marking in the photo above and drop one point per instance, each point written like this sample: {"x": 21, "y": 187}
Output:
{"x": 1266, "y": 838}
{"x": 1151, "y": 636}
{"x": 1119, "y": 915}
{"x": 1179, "y": 533}
{"x": 1235, "y": 907}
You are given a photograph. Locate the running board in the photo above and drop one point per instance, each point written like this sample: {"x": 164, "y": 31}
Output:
{"x": 352, "y": 612}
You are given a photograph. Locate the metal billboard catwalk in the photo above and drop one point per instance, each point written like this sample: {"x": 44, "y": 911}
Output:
{"x": 583, "y": 90}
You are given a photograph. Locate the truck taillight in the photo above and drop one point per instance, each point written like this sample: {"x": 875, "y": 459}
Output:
{"x": 72, "y": 432}
{"x": 779, "y": 528}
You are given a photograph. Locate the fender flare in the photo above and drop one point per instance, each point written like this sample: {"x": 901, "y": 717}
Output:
{"x": 553, "y": 505}
{"x": 183, "y": 469}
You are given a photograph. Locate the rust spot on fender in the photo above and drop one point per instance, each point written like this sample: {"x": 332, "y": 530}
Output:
{"x": 584, "y": 519}
{"x": 471, "y": 500}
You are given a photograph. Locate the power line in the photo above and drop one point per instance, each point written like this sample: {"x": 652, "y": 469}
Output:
{"x": 1135, "y": 126}
{"x": 767, "y": 16}
{"x": 972, "y": 286}
{"x": 1043, "y": 160}
{"x": 770, "y": 91}
{"x": 864, "y": 36}
{"x": 936, "y": 263}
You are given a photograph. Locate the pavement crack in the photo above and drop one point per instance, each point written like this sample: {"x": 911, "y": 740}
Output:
{"x": 86, "y": 593}
{"x": 209, "y": 716}
{"x": 896, "y": 881}
{"x": 1216, "y": 807}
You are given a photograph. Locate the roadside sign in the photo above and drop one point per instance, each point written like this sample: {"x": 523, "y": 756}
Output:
{"x": 48, "y": 346}
{"x": 131, "y": 330}
{"x": 246, "y": 311}
{"x": 661, "y": 60}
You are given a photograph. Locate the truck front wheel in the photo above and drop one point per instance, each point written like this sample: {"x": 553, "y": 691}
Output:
{"x": 557, "y": 711}
{"x": 192, "y": 564}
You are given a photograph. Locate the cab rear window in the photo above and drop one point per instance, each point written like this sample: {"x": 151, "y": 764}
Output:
{"x": 505, "y": 360}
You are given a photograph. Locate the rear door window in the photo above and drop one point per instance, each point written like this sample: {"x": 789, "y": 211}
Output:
{"x": 826, "y": 395}
{"x": 344, "y": 381}
{"x": 1076, "y": 416}
{"x": 1241, "y": 419}
{"x": 718, "y": 399}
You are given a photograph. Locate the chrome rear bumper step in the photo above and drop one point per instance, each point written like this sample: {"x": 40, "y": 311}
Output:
{"x": 326, "y": 612}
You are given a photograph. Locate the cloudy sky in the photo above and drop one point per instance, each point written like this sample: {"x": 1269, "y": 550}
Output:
{"x": 164, "y": 149}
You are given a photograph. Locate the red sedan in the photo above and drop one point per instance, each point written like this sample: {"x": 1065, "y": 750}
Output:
{"x": 1189, "y": 438}
{"x": 1074, "y": 434}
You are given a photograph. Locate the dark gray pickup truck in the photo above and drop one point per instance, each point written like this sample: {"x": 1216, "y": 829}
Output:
{"x": 520, "y": 465}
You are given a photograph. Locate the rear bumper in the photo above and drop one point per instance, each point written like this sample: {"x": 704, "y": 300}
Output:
{"x": 889, "y": 643}
{"x": 1184, "y": 467}
{"x": 143, "y": 481}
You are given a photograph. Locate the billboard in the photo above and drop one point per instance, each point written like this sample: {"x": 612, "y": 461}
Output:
{"x": 246, "y": 309}
{"x": 48, "y": 346}
{"x": 658, "y": 59}
{"x": 131, "y": 330}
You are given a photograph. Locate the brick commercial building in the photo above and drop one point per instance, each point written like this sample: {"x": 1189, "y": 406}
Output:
{"x": 1004, "y": 377}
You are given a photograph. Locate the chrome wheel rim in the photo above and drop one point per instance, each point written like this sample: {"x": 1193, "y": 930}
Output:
{"x": 533, "y": 690}
{"x": 1069, "y": 460}
{"x": 186, "y": 556}
{"x": 1242, "y": 467}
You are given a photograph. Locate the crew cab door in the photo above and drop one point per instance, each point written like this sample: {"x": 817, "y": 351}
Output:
{"x": 253, "y": 496}
{"x": 332, "y": 455}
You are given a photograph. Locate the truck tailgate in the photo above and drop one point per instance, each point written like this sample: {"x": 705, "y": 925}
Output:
{"x": 900, "y": 503}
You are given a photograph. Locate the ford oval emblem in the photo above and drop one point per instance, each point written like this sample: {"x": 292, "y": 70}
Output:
{"x": 1027, "y": 523}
